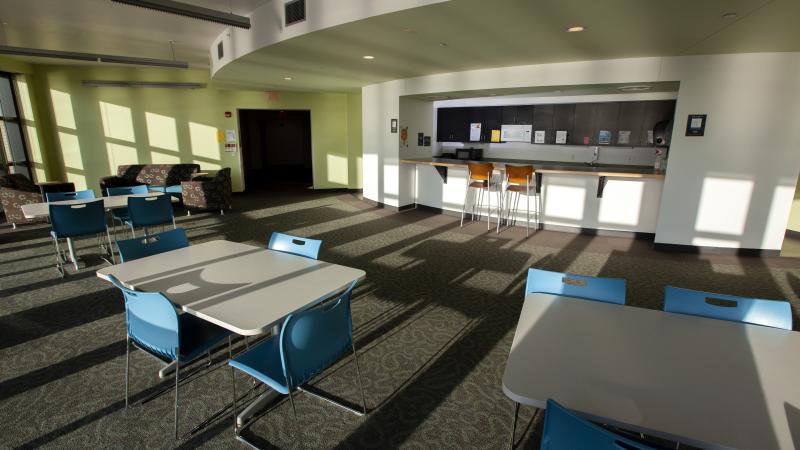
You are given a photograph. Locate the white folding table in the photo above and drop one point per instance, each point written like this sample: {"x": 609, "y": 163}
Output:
{"x": 705, "y": 382}
{"x": 239, "y": 287}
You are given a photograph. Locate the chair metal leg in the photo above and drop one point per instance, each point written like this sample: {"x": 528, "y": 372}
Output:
{"x": 294, "y": 410}
{"x": 233, "y": 386}
{"x": 360, "y": 383}
{"x": 59, "y": 258}
{"x": 499, "y": 196}
{"x": 133, "y": 232}
{"x": 513, "y": 425}
{"x": 177, "y": 372}
{"x": 221, "y": 212}
{"x": 110, "y": 247}
{"x": 71, "y": 246}
{"x": 528, "y": 204}
{"x": 174, "y": 227}
{"x": 127, "y": 366}
{"x": 464, "y": 208}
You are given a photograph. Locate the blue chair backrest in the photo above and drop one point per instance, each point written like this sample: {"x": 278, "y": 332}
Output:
{"x": 154, "y": 244}
{"x": 313, "y": 339}
{"x": 127, "y": 190}
{"x": 609, "y": 290}
{"x": 80, "y": 219}
{"x": 88, "y": 194}
{"x": 771, "y": 313}
{"x": 564, "y": 429}
{"x": 295, "y": 245}
{"x": 152, "y": 320}
{"x": 148, "y": 211}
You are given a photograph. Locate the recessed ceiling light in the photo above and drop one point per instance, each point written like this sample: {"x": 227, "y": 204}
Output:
{"x": 492, "y": 94}
{"x": 408, "y": 30}
{"x": 635, "y": 88}
{"x": 557, "y": 91}
{"x": 287, "y": 78}
{"x": 575, "y": 29}
{"x": 442, "y": 44}
{"x": 369, "y": 57}
{"x": 729, "y": 15}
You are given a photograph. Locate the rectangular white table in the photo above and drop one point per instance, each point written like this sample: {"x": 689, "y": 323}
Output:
{"x": 705, "y": 382}
{"x": 35, "y": 210}
{"x": 239, "y": 287}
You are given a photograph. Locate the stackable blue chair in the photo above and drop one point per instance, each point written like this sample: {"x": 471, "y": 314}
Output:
{"x": 609, "y": 290}
{"x": 155, "y": 327}
{"x": 771, "y": 313}
{"x": 149, "y": 211}
{"x": 136, "y": 248}
{"x": 295, "y": 245}
{"x": 565, "y": 430}
{"x": 87, "y": 194}
{"x": 71, "y": 221}
{"x": 121, "y": 214}
{"x": 309, "y": 342}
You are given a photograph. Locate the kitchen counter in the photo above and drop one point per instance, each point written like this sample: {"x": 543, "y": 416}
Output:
{"x": 551, "y": 167}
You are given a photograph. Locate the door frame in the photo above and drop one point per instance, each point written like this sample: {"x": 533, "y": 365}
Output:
{"x": 310, "y": 132}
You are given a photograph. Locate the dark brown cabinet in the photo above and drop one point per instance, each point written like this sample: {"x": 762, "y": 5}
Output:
{"x": 579, "y": 120}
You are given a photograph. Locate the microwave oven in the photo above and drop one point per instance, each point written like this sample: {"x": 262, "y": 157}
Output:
{"x": 515, "y": 133}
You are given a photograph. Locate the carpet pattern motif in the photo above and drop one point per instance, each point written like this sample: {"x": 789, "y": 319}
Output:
{"x": 433, "y": 323}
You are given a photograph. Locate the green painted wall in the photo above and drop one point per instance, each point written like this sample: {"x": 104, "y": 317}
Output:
{"x": 93, "y": 130}
{"x": 794, "y": 215}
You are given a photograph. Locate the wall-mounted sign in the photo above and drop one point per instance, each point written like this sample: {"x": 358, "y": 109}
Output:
{"x": 427, "y": 141}
{"x": 230, "y": 147}
{"x": 230, "y": 136}
{"x": 228, "y": 114}
{"x": 538, "y": 136}
{"x": 624, "y": 137}
{"x": 420, "y": 139}
{"x": 404, "y": 136}
{"x": 696, "y": 125}
{"x": 561, "y": 137}
{"x": 604, "y": 137}
{"x": 393, "y": 126}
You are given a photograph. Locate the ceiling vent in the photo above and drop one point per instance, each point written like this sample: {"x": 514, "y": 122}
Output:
{"x": 295, "y": 11}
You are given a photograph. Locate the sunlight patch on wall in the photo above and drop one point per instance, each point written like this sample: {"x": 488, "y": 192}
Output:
{"x": 162, "y": 132}
{"x": 164, "y": 158}
{"x": 724, "y": 204}
{"x": 117, "y": 122}
{"x": 713, "y": 242}
{"x": 120, "y": 155}
{"x": 35, "y": 152}
{"x": 565, "y": 202}
{"x": 204, "y": 143}
{"x": 621, "y": 192}
{"x": 778, "y": 217}
{"x": 24, "y": 99}
{"x": 70, "y": 150}
{"x": 62, "y": 109}
{"x": 337, "y": 169}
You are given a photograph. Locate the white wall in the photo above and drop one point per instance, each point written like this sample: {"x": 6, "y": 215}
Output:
{"x": 742, "y": 173}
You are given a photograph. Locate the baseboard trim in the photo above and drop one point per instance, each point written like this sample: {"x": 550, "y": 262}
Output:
{"x": 793, "y": 234}
{"x": 707, "y": 250}
{"x": 389, "y": 207}
{"x": 560, "y": 228}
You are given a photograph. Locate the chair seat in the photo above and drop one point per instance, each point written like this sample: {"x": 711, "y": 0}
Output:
{"x": 263, "y": 362}
{"x": 478, "y": 184}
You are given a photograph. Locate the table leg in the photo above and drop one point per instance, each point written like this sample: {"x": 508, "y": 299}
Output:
{"x": 257, "y": 405}
{"x": 166, "y": 370}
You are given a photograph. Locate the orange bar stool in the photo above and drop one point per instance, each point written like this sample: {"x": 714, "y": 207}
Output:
{"x": 518, "y": 180}
{"x": 479, "y": 181}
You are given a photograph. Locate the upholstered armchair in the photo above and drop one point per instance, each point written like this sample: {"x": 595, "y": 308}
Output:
{"x": 208, "y": 192}
{"x": 16, "y": 190}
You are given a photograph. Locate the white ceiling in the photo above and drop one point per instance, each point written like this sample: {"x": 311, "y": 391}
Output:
{"x": 477, "y": 34}
{"x": 101, "y": 26}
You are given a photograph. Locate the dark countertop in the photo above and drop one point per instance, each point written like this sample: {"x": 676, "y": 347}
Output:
{"x": 573, "y": 168}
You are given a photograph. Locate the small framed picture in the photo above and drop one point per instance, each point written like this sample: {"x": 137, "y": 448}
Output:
{"x": 696, "y": 125}
{"x": 393, "y": 126}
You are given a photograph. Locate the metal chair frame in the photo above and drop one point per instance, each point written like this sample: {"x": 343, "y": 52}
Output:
{"x": 477, "y": 203}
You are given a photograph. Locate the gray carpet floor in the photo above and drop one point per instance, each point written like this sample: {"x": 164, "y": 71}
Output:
{"x": 433, "y": 322}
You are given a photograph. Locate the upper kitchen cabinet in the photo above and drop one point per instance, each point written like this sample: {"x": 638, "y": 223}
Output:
{"x": 543, "y": 121}
{"x": 584, "y": 129}
{"x": 490, "y": 118}
{"x": 631, "y": 119}
{"x": 606, "y": 118}
{"x": 563, "y": 119}
{"x": 452, "y": 124}
{"x": 518, "y": 115}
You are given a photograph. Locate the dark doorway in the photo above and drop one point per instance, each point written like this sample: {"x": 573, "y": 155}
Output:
{"x": 276, "y": 148}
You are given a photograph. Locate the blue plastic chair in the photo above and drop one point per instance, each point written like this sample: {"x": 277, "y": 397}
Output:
{"x": 121, "y": 214}
{"x": 295, "y": 245}
{"x": 155, "y": 327}
{"x": 771, "y": 313}
{"x": 564, "y": 430}
{"x": 149, "y": 211}
{"x": 309, "y": 342}
{"x": 71, "y": 221}
{"x": 136, "y": 248}
{"x": 609, "y": 290}
{"x": 87, "y": 194}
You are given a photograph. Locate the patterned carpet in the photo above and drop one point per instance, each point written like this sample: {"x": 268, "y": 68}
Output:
{"x": 433, "y": 322}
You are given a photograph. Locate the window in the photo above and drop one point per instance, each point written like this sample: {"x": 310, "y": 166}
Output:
{"x": 15, "y": 155}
